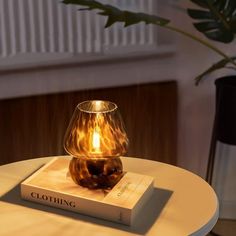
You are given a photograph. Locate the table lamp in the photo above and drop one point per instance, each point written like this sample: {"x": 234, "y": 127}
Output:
{"x": 96, "y": 138}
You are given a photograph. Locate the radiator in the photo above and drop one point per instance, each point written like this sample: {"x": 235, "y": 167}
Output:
{"x": 48, "y": 26}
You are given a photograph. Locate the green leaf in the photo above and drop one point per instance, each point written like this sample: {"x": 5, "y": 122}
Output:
{"x": 218, "y": 65}
{"x": 220, "y": 4}
{"x": 206, "y": 26}
{"x": 114, "y": 14}
{"x": 199, "y": 14}
{"x": 220, "y": 35}
{"x": 233, "y": 24}
{"x": 220, "y": 15}
{"x": 231, "y": 8}
{"x": 200, "y": 3}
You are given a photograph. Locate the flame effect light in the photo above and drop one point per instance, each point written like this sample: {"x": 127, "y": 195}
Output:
{"x": 96, "y": 138}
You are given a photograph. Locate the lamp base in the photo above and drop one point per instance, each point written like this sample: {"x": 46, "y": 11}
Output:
{"x": 95, "y": 173}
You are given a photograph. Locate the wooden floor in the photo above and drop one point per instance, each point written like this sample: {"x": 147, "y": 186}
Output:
{"x": 35, "y": 126}
{"x": 225, "y": 228}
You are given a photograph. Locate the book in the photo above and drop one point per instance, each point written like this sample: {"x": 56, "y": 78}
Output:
{"x": 52, "y": 185}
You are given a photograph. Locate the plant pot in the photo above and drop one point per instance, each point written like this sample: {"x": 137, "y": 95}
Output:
{"x": 224, "y": 128}
{"x": 225, "y": 116}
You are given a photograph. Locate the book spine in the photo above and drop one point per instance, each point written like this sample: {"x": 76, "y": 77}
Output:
{"x": 76, "y": 204}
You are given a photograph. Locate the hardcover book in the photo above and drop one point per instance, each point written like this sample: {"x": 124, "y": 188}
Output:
{"x": 52, "y": 185}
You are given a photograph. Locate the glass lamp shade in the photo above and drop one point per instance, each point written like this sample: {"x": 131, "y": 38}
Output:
{"x": 96, "y": 138}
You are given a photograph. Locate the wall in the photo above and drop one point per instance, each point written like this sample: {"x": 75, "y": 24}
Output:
{"x": 196, "y": 104}
{"x": 196, "y": 113}
{"x": 84, "y": 76}
{"x": 42, "y": 121}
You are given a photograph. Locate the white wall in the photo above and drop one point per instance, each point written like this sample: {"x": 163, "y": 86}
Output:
{"x": 82, "y": 77}
{"x": 196, "y": 113}
{"x": 196, "y": 104}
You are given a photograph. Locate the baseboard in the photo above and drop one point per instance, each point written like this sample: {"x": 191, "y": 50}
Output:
{"x": 228, "y": 209}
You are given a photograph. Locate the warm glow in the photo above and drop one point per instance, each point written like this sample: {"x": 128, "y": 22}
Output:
{"x": 96, "y": 130}
{"x": 98, "y": 105}
{"x": 96, "y": 141}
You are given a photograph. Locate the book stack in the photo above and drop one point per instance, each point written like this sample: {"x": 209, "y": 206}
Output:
{"x": 52, "y": 185}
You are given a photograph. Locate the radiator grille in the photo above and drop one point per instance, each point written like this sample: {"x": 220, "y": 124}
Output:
{"x": 39, "y": 26}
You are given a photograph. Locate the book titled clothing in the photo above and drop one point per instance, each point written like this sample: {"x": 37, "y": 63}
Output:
{"x": 52, "y": 185}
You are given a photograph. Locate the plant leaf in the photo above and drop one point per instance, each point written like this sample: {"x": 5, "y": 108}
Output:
{"x": 218, "y": 19}
{"x": 216, "y": 66}
{"x": 233, "y": 24}
{"x": 206, "y": 26}
{"x": 200, "y": 3}
{"x": 220, "y": 36}
{"x": 220, "y": 4}
{"x": 231, "y": 8}
{"x": 199, "y": 14}
{"x": 114, "y": 14}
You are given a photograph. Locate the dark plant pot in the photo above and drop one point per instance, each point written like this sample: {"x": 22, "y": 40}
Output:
{"x": 226, "y": 110}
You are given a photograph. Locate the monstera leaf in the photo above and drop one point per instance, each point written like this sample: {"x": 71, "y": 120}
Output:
{"x": 114, "y": 14}
{"x": 216, "y": 19}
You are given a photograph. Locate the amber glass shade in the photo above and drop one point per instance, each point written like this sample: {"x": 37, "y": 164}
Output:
{"x": 96, "y": 138}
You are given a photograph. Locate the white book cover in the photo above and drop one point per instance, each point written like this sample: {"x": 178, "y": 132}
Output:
{"x": 52, "y": 185}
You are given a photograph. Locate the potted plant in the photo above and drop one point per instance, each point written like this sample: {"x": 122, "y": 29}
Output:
{"x": 216, "y": 20}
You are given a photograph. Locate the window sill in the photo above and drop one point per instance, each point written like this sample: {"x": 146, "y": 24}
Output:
{"x": 37, "y": 61}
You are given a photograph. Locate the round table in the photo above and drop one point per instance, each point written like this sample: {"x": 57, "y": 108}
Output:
{"x": 182, "y": 204}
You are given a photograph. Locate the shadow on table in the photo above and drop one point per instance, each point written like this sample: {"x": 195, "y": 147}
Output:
{"x": 144, "y": 221}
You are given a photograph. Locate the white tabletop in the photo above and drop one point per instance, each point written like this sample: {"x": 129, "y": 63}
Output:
{"x": 182, "y": 204}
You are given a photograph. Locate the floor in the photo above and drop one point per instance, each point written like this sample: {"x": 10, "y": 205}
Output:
{"x": 224, "y": 228}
